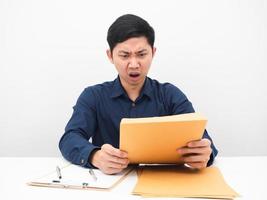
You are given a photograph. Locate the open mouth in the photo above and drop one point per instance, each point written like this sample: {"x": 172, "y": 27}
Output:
{"x": 134, "y": 75}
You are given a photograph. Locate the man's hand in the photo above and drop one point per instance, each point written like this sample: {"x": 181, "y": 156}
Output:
{"x": 196, "y": 154}
{"x": 110, "y": 160}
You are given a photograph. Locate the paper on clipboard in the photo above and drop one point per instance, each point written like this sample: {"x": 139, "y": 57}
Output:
{"x": 155, "y": 139}
{"x": 77, "y": 177}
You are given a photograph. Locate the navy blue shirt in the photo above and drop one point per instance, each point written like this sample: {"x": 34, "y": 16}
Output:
{"x": 100, "y": 108}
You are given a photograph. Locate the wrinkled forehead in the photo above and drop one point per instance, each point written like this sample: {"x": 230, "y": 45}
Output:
{"x": 133, "y": 45}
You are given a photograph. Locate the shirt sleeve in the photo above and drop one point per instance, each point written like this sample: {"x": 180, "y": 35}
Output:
{"x": 74, "y": 144}
{"x": 179, "y": 104}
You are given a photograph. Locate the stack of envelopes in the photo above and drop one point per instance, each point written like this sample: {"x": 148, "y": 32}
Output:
{"x": 175, "y": 181}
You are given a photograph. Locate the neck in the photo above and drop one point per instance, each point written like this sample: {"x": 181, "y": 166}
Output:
{"x": 133, "y": 91}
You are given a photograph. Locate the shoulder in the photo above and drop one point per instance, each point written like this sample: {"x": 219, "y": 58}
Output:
{"x": 173, "y": 98}
{"x": 166, "y": 88}
{"x": 99, "y": 88}
{"x": 91, "y": 93}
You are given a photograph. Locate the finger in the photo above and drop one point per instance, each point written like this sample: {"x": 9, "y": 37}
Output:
{"x": 116, "y": 165}
{"x": 111, "y": 170}
{"x": 197, "y": 165}
{"x": 197, "y": 150}
{"x": 195, "y": 158}
{"x": 114, "y": 151}
{"x": 115, "y": 159}
{"x": 199, "y": 143}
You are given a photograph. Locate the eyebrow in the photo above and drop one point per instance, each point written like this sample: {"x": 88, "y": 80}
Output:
{"x": 126, "y": 52}
{"x": 141, "y": 51}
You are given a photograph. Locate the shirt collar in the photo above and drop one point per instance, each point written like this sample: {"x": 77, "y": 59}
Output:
{"x": 147, "y": 88}
{"x": 118, "y": 90}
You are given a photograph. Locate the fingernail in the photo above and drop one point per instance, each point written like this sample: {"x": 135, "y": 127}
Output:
{"x": 189, "y": 144}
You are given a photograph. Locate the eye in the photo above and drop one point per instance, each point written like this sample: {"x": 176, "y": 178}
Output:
{"x": 141, "y": 55}
{"x": 124, "y": 56}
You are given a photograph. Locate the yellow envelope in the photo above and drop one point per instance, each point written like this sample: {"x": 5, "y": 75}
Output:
{"x": 175, "y": 181}
{"x": 155, "y": 139}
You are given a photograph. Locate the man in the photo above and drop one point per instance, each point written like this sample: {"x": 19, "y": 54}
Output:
{"x": 100, "y": 108}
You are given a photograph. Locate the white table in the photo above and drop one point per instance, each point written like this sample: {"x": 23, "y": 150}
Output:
{"x": 247, "y": 175}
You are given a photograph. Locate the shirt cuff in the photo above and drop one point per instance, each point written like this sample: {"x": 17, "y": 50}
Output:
{"x": 212, "y": 157}
{"x": 85, "y": 155}
{"x": 89, "y": 157}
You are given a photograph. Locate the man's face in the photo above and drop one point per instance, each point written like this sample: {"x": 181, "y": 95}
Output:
{"x": 132, "y": 59}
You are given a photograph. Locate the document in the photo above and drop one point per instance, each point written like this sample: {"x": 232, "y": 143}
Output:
{"x": 155, "y": 139}
{"x": 175, "y": 181}
{"x": 77, "y": 177}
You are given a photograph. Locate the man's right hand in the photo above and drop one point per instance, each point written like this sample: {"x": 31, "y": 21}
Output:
{"x": 109, "y": 159}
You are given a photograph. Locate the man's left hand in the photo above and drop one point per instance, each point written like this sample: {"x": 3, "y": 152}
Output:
{"x": 196, "y": 154}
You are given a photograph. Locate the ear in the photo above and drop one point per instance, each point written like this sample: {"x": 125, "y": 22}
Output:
{"x": 109, "y": 54}
{"x": 154, "y": 51}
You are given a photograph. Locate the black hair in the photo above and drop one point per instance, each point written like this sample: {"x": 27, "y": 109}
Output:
{"x": 129, "y": 26}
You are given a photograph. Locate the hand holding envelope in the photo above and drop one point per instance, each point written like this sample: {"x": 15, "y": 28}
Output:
{"x": 196, "y": 154}
{"x": 155, "y": 140}
{"x": 168, "y": 139}
{"x": 109, "y": 159}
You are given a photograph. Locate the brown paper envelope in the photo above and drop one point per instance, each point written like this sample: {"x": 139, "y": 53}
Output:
{"x": 155, "y": 139}
{"x": 174, "y": 181}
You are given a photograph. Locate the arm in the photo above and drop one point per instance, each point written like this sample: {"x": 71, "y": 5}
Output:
{"x": 74, "y": 144}
{"x": 76, "y": 148}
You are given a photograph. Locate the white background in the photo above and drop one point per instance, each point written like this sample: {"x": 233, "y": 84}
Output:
{"x": 214, "y": 51}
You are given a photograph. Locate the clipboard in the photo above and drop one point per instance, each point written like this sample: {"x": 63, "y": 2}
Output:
{"x": 77, "y": 177}
{"x": 154, "y": 140}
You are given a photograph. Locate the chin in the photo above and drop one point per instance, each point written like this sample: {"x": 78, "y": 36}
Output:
{"x": 136, "y": 82}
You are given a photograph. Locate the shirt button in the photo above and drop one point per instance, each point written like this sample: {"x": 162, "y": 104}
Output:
{"x": 133, "y": 104}
{"x": 82, "y": 161}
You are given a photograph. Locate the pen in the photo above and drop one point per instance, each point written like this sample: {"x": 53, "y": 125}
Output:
{"x": 91, "y": 172}
{"x": 58, "y": 172}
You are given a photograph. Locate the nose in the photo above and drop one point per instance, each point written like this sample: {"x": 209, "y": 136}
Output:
{"x": 134, "y": 63}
